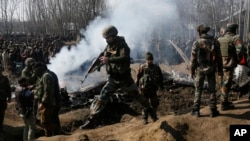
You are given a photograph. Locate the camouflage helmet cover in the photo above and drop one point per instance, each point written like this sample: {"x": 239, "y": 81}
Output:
{"x": 29, "y": 62}
{"x": 231, "y": 27}
{"x": 149, "y": 56}
{"x": 203, "y": 28}
{"x": 109, "y": 31}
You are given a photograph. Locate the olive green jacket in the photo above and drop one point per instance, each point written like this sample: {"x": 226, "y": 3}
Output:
{"x": 118, "y": 66}
{"x": 45, "y": 90}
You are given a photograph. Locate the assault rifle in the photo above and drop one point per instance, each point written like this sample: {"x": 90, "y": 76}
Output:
{"x": 96, "y": 65}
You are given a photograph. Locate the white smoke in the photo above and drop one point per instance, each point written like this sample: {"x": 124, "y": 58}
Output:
{"x": 134, "y": 19}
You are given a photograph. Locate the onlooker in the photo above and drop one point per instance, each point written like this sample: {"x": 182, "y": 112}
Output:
{"x": 25, "y": 106}
{"x": 5, "y": 96}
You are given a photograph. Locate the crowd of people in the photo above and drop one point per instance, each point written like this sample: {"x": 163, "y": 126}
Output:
{"x": 37, "y": 95}
{"x": 14, "y": 50}
{"x": 38, "y": 89}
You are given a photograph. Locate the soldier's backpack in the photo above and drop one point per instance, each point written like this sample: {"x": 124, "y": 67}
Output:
{"x": 150, "y": 77}
{"x": 206, "y": 54}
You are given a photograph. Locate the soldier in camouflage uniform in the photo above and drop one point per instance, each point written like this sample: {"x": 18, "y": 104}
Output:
{"x": 205, "y": 61}
{"x": 149, "y": 80}
{"x": 5, "y": 96}
{"x": 27, "y": 71}
{"x": 117, "y": 60}
{"x": 31, "y": 78}
{"x": 45, "y": 91}
{"x": 231, "y": 47}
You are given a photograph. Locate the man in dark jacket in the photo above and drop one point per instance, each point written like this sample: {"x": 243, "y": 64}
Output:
{"x": 25, "y": 106}
{"x": 5, "y": 96}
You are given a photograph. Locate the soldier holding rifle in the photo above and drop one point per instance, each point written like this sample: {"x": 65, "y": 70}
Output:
{"x": 116, "y": 57}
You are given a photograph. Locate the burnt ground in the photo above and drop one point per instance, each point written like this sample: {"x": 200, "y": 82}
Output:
{"x": 176, "y": 100}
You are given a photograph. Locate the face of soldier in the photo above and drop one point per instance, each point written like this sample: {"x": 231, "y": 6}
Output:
{"x": 38, "y": 71}
{"x": 222, "y": 31}
{"x": 149, "y": 62}
{"x": 109, "y": 40}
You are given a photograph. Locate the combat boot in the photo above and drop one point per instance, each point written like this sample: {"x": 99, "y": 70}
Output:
{"x": 195, "y": 113}
{"x": 227, "y": 106}
{"x": 145, "y": 117}
{"x": 145, "y": 121}
{"x": 214, "y": 112}
{"x": 152, "y": 114}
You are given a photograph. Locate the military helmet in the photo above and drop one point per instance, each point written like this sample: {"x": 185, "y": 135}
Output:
{"x": 29, "y": 61}
{"x": 109, "y": 31}
{"x": 231, "y": 27}
{"x": 149, "y": 56}
{"x": 202, "y": 28}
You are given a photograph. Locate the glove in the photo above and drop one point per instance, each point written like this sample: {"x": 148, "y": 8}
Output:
{"x": 193, "y": 75}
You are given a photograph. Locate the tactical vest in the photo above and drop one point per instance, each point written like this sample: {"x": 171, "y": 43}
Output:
{"x": 226, "y": 45}
{"x": 228, "y": 51}
{"x": 150, "y": 77}
{"x": 115, "y": 50}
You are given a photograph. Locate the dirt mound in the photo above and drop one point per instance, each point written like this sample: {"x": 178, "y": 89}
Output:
{"x": 122, "y": 121}
{"x": 168, "y": 128}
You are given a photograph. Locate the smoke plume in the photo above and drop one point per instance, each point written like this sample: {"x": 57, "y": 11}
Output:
{"x": 136, "y": 20}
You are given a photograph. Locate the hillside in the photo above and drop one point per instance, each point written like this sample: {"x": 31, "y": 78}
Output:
{"x": 168, "y": 128}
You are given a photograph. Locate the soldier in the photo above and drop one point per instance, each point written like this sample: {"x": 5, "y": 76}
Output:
{"x": 205, "y": 61}
{"x": 117, "y": 59}
{"x": 149, "y": 80}
{"x": 231, "y": 48}
{"x": 31, "y": 79}
{"x": 6, "y": 59}
{"x": 248, "y": 50}
{"x": 27, "y": 71}
{"x": 5, "y": 96}
{"x": 45, "y": 92}
{"x": 58, "y": 99}
{"x": 25, "y": 105}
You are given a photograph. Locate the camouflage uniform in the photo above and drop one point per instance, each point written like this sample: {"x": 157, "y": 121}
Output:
{"x": 58, "y": 99}
{"x": 45, "y": 91}
{"x": 149, "y": 80}
{"x": 5, "y": 95}
{"x": 205, "y": 61}
{"x": 231, "y": 47}
{"x": 27, "y": 71}
{"x": 117, "y": 60}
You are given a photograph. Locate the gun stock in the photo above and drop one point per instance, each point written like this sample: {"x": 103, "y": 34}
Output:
{"x": 96, "y": 65}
